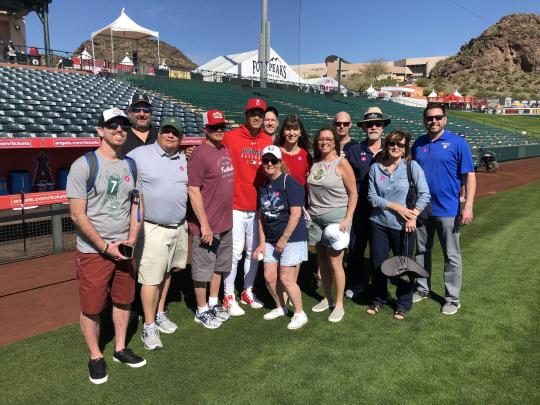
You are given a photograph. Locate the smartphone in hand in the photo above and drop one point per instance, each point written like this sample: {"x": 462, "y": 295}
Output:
{"x": 126, "y": 250}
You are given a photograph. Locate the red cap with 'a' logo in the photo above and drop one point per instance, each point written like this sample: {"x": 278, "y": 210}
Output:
{"x": 213, "y": 117}
{"x": 256, "y": 103}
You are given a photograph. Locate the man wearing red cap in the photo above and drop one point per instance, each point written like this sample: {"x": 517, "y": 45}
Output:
{"x": 210, "y": 186}
{"x": 245, "y": 145}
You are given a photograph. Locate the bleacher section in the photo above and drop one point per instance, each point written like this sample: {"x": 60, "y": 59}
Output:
{"x": 316, "y": 110}
{"x": 42, "y": 103}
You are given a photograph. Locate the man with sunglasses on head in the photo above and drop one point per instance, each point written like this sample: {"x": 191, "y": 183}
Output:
{"x": 105, "y": 206}
{"x": 447, "y": 163}
{"x": 140, "y": 115}
{"x": 210, "y": 220}
{"x": 361, "y": 156}
{"x": 163, "y": 242}
{"x": 245, "y": 145}
{"x": 343, "y": 124}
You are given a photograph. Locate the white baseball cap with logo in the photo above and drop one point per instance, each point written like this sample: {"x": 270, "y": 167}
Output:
{"x": 272, "y": 150}
{"x": 337, "y": 239}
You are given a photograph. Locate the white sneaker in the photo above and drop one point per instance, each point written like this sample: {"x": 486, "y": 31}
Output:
{"x": 248, "y": 298}
{"x": 164, "y": 324}
{"x": 275, "y": 313}
{"x": 297, "y": 321}
{"x": 150, "y": 337}
{"x": 231, "y": 306}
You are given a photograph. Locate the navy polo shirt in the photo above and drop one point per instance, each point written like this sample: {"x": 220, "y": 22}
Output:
{"x": 444, "y": 161}
{"x": 360, "y": 157}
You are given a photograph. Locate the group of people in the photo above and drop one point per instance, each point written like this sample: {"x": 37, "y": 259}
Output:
{"x": 262, "y": 191}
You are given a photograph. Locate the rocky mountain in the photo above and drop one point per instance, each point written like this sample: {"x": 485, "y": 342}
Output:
{"x": 147, "y": 51}
{"x": 504, "y": 60}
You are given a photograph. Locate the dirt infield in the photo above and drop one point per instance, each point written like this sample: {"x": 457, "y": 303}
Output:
{"x": 41, "y": 294}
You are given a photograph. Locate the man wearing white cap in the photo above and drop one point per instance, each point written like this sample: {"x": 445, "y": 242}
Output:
{"x": 210, "y": 188}
{"x": 105, "y": 206}
{"x": 245, "y": 145}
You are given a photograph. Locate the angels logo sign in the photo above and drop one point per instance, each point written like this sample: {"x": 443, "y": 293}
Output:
{"x": 217, "y": 115}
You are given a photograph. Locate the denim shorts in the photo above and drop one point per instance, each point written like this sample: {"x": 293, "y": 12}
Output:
{"x": 293, "y": 254}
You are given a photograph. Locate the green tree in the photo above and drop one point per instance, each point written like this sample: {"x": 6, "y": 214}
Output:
{"x": 374, "y": 69}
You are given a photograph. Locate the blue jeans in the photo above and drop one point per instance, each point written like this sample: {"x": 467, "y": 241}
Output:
{"x": 447, "y": 229}
{"x": 382, "y": 240}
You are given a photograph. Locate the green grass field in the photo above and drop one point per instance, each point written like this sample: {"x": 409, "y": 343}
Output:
{"x": 488, "y": 353}
{"x": 513, "y": 123}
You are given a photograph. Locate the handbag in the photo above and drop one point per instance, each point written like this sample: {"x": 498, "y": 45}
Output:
{"x": 412, "y": 196}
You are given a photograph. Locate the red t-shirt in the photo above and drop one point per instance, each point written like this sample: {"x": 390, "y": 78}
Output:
{"x": 298, "y": 164}
{"x": 211, "y": 170}
{"x": 246, "y": 151}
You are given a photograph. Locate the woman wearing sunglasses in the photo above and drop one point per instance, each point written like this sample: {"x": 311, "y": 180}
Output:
{"x": 294, "y": 142}
{"x": 332, "y": 200}
{"x": 393, "y": 225}
{"x": 282, "y": 235}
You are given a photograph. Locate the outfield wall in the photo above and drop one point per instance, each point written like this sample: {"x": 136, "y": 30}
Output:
{"x": 505, "y": 153}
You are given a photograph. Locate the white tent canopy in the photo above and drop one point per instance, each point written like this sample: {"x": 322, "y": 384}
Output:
{"x": 326, "y": 84}
{"x": 371, "y": 90}
{"x": 126, "y": 61}
{"x": 124, "y": 27}
{"x": 85, "y": 54}
{"x": 432, "y": 94}
{"x": 457, "y": 94}
{"x": 246, "y": 65}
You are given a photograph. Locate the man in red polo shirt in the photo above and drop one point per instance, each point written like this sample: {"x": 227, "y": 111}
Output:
{"x": 245, "y": 145}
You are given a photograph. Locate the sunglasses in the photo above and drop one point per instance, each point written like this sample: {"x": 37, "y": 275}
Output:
{"x": 399, "y": 145}
{"x": 342, "y": 124}
{"x": 430, "y": 118}
{"x": 274, "y": 161}
{"x": 136, "y": 109}
{"x": 216, "y": 128}
{"x": 172, "y": 132}
{"x": 373, "y": 124}
{"x": 113, "y": 126}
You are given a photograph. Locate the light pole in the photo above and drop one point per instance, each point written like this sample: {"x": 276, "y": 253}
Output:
{"x": 264, "y": 42}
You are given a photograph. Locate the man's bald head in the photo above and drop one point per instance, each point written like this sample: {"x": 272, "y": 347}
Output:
{"x": 342, "y": 123}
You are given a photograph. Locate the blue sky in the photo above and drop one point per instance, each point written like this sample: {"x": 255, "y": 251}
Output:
{"x": 357, "y": 30}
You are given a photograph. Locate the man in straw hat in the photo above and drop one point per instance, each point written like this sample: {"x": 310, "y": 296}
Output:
{"x": 360, "y": 156}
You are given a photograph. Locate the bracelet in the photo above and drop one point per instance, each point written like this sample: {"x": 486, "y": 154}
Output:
{"x": 105, "y": 250}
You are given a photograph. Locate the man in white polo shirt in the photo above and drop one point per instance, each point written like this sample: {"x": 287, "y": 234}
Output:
{"x": 163, "y": 242}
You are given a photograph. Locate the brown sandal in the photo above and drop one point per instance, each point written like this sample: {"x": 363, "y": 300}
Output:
{"x": 373, "y": 309}
{"x": 400, "y": 315}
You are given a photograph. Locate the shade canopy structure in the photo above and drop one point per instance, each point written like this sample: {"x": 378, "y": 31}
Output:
{"x": 371, "y": 90}
{"x": 126, "y": 61}
{"x": 457, "y": 94}
{"x": 432, "y": 94}
{"x": 124, "y": 27}
{"x": 246, "y": 65}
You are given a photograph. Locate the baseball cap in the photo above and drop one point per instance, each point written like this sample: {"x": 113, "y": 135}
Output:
{"x": 138, "y": 98}
{"x": 213, "y": 117}
{"x": 174, "y": 122}
{"x": 274, "y": 110}
{"x": 110, "y": 114}
{"x": 338, "y": 240}
{"x": 272, "y": 150}
{"x": 255, "y": 103}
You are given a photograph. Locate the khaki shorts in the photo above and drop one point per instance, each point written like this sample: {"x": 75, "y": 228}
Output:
{"x": 207, "y": 260}
{"x": 318, "y": 223}
{"x": 158, "y": 250}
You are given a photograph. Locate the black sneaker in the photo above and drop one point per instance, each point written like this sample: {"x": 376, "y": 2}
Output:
{"x": 97, "y": 371}
{"x": 129, "y": 358}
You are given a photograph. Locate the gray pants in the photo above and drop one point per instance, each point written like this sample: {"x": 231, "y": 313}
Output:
{"x": 447, "y": 229}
